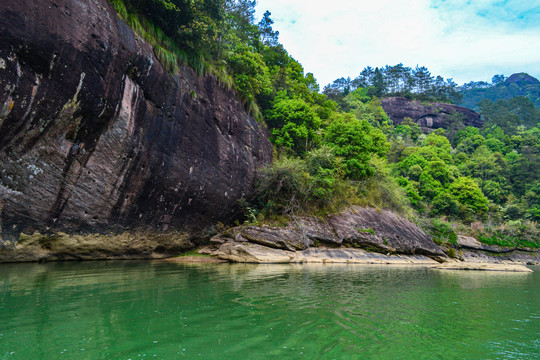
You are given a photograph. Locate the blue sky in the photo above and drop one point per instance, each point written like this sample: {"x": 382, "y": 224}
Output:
{"x": 467, "y": 40}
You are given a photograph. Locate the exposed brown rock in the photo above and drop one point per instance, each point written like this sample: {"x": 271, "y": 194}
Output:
{"x": 381, "y": 231}
{"x": 429, "y": 116}
{"x": 95, "y": 136}
{"x": 255, "y": 253}
{"x": 473, "y": 250}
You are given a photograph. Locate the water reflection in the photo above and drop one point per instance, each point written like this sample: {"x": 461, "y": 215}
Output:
{"x": 230, "y": 311}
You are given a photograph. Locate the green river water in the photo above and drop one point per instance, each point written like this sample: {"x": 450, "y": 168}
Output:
{"x": 156, "y": 310}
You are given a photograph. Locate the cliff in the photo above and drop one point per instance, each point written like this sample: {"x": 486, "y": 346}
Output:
{"x": 96, "y": 137}
{"x": 429, "y": 116}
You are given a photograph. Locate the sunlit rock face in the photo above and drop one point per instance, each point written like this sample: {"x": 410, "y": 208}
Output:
{"x": 429, "y": 116}
{"x": 375, "y": 230}
{"x": 95, "y": 136}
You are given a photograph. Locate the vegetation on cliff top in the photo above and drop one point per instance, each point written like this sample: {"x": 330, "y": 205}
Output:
{"x": 500, "y": 88}
{"x": 338, "y": 148}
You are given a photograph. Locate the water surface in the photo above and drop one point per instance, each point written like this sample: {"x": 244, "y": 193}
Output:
{"x": 133, "y": 310}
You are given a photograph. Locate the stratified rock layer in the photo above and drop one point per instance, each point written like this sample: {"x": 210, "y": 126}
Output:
{"x": 472, "y": 250}
{"x": 95, "y": 136}
{"x": 429, "y": 116}
{"x": 379, "y": 231}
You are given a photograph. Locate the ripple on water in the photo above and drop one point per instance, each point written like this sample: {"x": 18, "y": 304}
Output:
{"x": 221, "y": 311}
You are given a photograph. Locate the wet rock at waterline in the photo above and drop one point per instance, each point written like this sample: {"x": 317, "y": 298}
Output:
{"x": 379, "y": 231}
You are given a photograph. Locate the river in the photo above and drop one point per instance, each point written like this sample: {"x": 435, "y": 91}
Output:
{"x": 158, "y": 310}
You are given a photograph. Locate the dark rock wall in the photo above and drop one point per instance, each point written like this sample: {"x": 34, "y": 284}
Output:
{"x": 429, "y": 116}
{"x": 95, "y": 136}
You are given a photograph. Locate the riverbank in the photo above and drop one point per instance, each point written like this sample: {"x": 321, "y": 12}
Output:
{"x": 259, "y": 254}
{"x": 354, "y": 236}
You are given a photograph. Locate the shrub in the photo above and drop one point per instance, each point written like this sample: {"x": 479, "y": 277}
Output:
{"x": 443, "y": 232}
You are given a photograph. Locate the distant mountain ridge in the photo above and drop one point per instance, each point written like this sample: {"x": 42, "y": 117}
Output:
{"x": 519, "y": 84}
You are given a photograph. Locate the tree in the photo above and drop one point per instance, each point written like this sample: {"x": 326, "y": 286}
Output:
{"x": 240, "y": 19}
{"x": 268, "y": 35}
{"x": 422, "y": 79}
{"x": 250, "y": 74}
{"x": 466, "y": 191}
{"x": 294, "y": 124}
{"x": 356, "y": 141}
{"x": 498, "y": 79}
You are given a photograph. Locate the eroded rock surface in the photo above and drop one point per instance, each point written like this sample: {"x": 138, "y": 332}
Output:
{"x": 96, "y": 137}
{"x": 473, "y": 250}
{"x": 255, "y": 253}
{"x": 483, "y": 266}
{"x": 429, "y": 116}
{"x": 370, "y": 229}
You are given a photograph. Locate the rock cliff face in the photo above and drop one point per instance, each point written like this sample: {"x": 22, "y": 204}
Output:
{"x": 431, "y": 116}
{"x": 95, "y": 136}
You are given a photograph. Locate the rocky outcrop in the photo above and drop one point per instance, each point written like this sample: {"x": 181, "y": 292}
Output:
{"x": 377, "y": 231}
{"x": 472, "y": 250}
{"x": 429, "y": 116}
{"x": 259, "y": 254}
{"x": 96, "y": 137}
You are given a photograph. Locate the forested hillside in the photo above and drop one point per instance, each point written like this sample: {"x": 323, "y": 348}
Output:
{"x": 338, "y": 148}
{"x": 500, "y": 88}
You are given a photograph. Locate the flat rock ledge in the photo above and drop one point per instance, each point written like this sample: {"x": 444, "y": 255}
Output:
{"x": 356, "y": 235}
{"x": 245, "y": 252}
{"x": 471, "y": 250}
{"x": 482, "y": 266}
{"x": 374, "y": 230}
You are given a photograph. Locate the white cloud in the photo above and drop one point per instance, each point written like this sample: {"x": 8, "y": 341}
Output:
{"x": 340, "y": 38}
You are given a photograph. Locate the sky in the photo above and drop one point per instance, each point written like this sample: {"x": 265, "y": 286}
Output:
{"x": 466, "y": 40}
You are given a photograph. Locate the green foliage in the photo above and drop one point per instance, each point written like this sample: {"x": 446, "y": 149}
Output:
{"x": 501, "y": 88}
{"x": 325, "y": 170}
{"x": 451, "y": 252}
{"x": 443, "y": 233}
{"x": 120, "y": 8}
{"x": 516, "y": 233}
{"x": 467, "y": 192}
{"x": 250, "y": 74}
{"x": 381, "y": 190}
{"x": 294, "y": 123}
{"x": 444, "y": 203}
{"x": 369, "y": 231}
{"x": 408, "y": 129}
{"x": 356, "y": 141}
{"x": 397, "y": 80}
{"x": 310, "y": 185}
{"x": 167, "y": 58}
{"x": 283, "y": 186}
